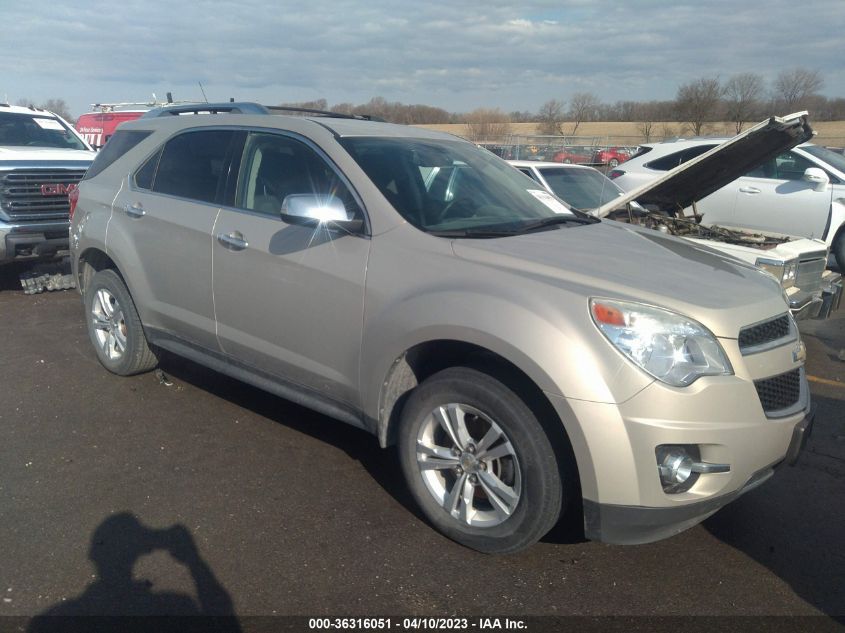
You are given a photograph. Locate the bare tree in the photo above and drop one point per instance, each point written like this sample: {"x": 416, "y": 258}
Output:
{"x": 550, "y": 117}
{"x": 698, "y": 102}
{"x": 582, "y": 107}
{"x": 485, "y": 124}
{"x": 646, "y": 115}
{"x": 795, "y": 86}
{"x": 742, "y": 98}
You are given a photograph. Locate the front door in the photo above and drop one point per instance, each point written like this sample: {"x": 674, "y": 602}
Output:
{"x": 289, "y": 299}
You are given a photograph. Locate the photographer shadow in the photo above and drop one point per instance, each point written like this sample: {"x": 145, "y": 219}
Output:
{"x": 116, "y": 545}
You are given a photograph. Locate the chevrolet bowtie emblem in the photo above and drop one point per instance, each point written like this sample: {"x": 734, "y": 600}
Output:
{"x": 799, "y": 352}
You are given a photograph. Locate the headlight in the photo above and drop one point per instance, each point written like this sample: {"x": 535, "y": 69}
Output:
{"x": 672, "y": 348}
{"x": 784, "y": 272}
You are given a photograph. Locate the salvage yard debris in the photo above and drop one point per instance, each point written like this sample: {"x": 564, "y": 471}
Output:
{"x": 49, "y": 277}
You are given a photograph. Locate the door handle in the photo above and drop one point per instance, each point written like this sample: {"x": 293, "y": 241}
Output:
{"x": 749, "y": 190}
{"x": 234, "y": 241}
{"x": 135, "y": 210}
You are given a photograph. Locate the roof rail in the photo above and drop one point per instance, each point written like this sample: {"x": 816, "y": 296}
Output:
{"x": 240, "y": 107}
{"x": 244, "y": 107}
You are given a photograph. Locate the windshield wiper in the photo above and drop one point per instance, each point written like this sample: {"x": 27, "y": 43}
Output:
{"x": 555, "y": 220}
{"x": 475, "y": 233}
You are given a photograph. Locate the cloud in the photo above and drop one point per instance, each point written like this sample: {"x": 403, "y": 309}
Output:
{"x": 455, "y": 55}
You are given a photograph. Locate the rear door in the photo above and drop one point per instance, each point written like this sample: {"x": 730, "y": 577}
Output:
{"x": 161, "y": 225}
{"x": 289, "y": 299}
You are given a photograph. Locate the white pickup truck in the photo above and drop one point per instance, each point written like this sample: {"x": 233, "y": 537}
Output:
{"x": 42, "y": 158}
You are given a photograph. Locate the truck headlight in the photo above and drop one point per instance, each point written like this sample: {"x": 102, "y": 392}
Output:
{"x": 671, "y": 347}
{"x": 784, "y": 271}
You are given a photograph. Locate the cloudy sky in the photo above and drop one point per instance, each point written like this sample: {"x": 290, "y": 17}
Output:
{"x": 457, "y": 55}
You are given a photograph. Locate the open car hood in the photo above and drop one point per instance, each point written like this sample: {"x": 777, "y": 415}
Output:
{"x": 697, "y": 178}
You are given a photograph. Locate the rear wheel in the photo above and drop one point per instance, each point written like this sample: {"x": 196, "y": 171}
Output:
{"x": 478, "y": 462}
{"x": 115, "y": 327}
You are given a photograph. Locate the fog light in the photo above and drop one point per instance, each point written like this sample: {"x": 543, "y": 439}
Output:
{"x": 675, "y": 465}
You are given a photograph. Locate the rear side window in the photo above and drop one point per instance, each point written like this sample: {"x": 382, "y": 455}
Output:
{"x": 678, "y": 158}
{"x": 192, "y": 165}
{"x": 120, "y": 143}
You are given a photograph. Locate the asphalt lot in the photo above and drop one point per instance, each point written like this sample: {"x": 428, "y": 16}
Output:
{"x": 284, "y": 511}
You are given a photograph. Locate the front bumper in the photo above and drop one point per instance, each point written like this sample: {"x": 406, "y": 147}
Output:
{"x": 33, "y": 240}
{"x": 820, "y": 304}
{"x": 634, "y": 525}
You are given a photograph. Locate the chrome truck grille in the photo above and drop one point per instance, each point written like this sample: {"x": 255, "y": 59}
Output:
{"x": 810, "y": 269}
{"x": 37, "y": 194}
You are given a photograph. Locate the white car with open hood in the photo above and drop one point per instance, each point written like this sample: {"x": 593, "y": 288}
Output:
{"x": 798, "y": 263}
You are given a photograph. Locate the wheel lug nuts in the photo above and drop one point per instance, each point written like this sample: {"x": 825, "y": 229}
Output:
{"x": 456, "y": 451}
{"x": 459, "y": 470}
{"x": 473, "y": 479}
{"x": 471, "y": 448}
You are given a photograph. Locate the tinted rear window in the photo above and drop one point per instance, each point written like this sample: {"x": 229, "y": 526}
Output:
{"x": 192, "y": 165}
{"x": 120, "y": 143}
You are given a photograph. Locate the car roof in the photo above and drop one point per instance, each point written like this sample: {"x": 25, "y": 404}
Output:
{"x": 4, "y": 107}
{"x": 248, "y": 114}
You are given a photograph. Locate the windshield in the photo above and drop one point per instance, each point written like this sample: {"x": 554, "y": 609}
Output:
{"x": 445, "y": 187}
{"x": 583, "y": 188}
{"x": 36, "y": 130}
{"x": 837, "y": 161}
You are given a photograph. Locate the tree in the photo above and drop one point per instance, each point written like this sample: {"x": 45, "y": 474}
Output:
{"x": 550, "y": 118}
{"x": 647, "y": 114}
{"x": 794, "y": 87}
{"x": 742, "y": 98}
{"x": 484, "y": 124}
{"x": 698, "y": 102}
{"x": 582, "y": 107}
{"x": 58, "y": 106}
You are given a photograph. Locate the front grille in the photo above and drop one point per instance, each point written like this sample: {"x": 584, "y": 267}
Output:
{"x": 761, "y": 334}
{"x": 809, "y": 275}
{"x": 779, "y": 392}
{"x": 22, "y": 193}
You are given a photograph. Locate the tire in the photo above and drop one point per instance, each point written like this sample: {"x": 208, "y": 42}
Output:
{"x": 114, "y": 326}
{"x": 500, "y": 504}
{"x": 838, "y": 250}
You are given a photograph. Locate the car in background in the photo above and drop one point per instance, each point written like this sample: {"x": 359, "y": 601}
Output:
{"x": 42, "y": 159}
{"x": 97, "y": 127}
{"x": 798, "y": 263}
{"x": 610, "y": 156}
{"x": 799, "y": 191}
{"x": 573, "y": 155}
{"x": 580, "y": 186}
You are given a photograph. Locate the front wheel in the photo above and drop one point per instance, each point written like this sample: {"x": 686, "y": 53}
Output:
{"x": 115, "y": 327}
{"x": 478, "y": 462}
{"x": 838, "y": 251}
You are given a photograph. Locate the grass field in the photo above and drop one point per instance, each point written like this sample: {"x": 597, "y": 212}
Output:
{"x": 620, "y": 133}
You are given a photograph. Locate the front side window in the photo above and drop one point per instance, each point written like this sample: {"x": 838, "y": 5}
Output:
{"x": 785, "y": 166}
{"x": 275, "y": 167}
{"x": 192, "y": 165}
{"x": 36, "y": 131}
{"x": 444, "y": 187}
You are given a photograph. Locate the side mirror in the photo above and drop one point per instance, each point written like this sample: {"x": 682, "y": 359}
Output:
{"x": 816, "y": 177}
{"x": 310, "y": 209}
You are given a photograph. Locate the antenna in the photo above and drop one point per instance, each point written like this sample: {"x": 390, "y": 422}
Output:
{"x": 203, "y": 92}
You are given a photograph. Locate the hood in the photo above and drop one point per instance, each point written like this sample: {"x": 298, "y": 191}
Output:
{"x": 621, "y": 261}
{"x": 704, "y": 174}
{"x": 38, "y": 156}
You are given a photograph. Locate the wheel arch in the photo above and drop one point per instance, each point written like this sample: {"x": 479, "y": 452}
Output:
{"x": 424, "y": 359}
